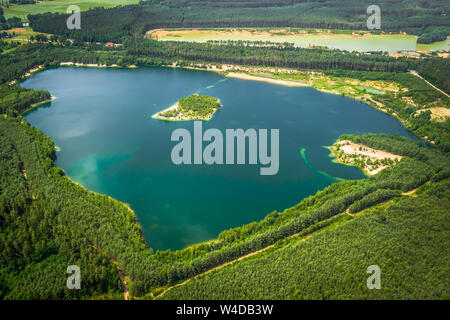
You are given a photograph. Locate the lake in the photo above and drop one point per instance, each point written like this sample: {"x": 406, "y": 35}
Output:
{"x": 391, "y": 43}
{"x": 101, "y": 120}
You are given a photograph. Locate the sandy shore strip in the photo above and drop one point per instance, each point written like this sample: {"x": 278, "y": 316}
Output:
{"x": 42, "y": 102}
{"x": 365, "y": 152}
{"x": 245, "y": 76}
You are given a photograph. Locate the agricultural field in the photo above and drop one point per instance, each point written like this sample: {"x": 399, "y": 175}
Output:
{"x": 59, "y": 6}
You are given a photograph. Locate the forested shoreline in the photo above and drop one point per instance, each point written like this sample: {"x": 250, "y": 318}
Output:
{"x": 193, "y": 107}
{"x": 46, "y": 183}
{"x": 144, "y": 52}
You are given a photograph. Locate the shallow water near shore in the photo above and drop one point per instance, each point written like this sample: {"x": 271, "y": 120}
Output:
{"x": 110, "y": 144}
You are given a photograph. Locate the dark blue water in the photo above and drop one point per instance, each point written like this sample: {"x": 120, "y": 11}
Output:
{"x": 110, "y": 144}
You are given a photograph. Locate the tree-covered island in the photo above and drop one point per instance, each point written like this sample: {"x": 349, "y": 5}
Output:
{"x": 194, "y": 107}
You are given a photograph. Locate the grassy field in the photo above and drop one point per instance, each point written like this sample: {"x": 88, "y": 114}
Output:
{"x": 23, "y": 33}
{"x": 60, "y": 6}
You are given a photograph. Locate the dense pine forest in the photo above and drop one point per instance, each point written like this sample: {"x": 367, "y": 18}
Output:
{"x": 412, "y": 16}
{"x": 47, "y": 222}
{"x": 150, "y": 52}
{"x": 195, "y": 106}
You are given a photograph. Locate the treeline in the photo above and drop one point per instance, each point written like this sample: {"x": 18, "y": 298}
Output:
{"x": 247, "y": 43}
{"x": 408, "y": 174}
{"x": 373, "y": 198}
{"x": 6, "y": 45}
{"x": 411, "y": 16}
{"x": 21, "y": 1}
{"x": 14, "y": 65}
{"x": 14, "y": 99}
{"x": 285, "y": 57}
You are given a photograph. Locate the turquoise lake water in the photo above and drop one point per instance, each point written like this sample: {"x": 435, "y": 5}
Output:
{"x": 102, "y": 122}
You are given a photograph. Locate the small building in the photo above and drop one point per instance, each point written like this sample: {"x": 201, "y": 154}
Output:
{"x": 25, "y": 24}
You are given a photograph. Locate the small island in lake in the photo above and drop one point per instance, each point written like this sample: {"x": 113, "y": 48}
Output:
{"x": 194, "y": 107}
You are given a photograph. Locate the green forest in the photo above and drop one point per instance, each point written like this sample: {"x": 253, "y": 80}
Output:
{"x": 406, "y": 239}
{"x": 321, "y": 246}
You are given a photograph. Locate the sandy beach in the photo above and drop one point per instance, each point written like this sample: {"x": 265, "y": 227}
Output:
{"x": 351, "y": 148}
